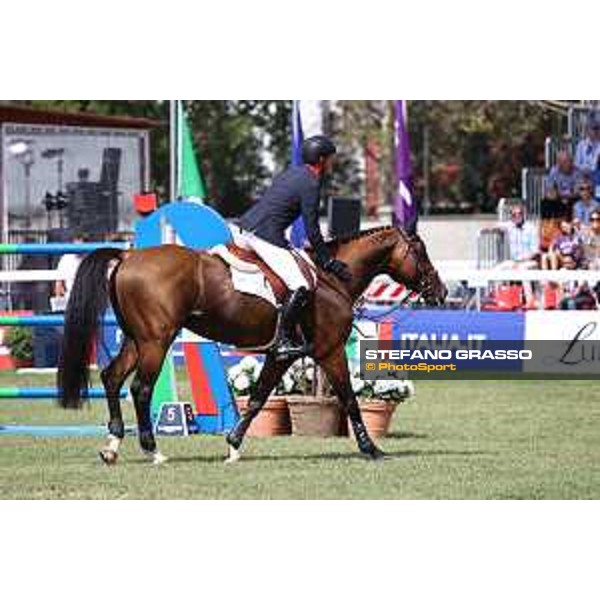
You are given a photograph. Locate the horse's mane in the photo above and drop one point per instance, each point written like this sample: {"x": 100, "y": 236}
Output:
{"x": 376, "y": 234}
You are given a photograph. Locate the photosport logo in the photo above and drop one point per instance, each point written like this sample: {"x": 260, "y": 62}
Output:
{"x": 480, "y": 359}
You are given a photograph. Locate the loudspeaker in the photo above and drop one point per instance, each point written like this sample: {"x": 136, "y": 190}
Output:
{"x": 343, "y": 216}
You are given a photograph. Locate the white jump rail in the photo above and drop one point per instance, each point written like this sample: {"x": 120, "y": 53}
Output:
{"x": 28, "y": 276}
{"x": 481, "y": 277}
{"x": 474, "y": 277}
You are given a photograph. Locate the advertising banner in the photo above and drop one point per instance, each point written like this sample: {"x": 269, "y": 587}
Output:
{"x": 444, "y": 326}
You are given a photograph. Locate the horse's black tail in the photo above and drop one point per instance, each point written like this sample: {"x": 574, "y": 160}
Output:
{"x": 88, "y": 301}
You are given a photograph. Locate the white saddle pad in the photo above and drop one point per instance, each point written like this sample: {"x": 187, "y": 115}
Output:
{"x": 247, "y": 277}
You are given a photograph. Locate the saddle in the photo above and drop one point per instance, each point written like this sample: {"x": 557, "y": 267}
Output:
{"x": 247, "y": 261}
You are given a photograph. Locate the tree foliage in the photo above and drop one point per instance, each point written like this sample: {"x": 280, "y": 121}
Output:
{"x": 476, "y": 149}
{"x": 233, "y": 138}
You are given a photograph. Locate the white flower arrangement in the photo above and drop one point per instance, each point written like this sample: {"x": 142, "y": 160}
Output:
{"x": 250, "y": 365}
{"x": 299, "y": 378}
{"x": 394, "y": 390}
{"x": 242, "y": 383}
{"x": 242, "y": 377}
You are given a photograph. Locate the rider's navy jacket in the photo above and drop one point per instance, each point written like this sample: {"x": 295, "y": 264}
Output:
{"x": 294, "y": 192}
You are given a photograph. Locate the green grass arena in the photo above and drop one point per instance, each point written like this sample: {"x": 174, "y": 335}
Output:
{"x": 455, "y": 440}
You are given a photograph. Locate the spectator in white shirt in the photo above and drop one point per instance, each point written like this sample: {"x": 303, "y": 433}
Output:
{"x": 523, "y": 240}
{"x": 524, "y": 248}
{"x": 67, "y": 271}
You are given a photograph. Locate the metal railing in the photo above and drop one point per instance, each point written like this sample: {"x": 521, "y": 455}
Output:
{"x": 578, "y": 118}
{"x": 492, "y": 247}
{"x": 532, "y": 191}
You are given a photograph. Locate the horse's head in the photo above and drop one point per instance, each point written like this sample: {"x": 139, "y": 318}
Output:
{"x": 396, "y": 253}
{"x": 409, "y": 263}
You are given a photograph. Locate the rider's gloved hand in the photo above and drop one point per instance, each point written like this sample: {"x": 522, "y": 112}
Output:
{"x": 338, "y": 268}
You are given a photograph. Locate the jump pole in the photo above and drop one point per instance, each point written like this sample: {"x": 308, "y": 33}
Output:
{"x": 47, "y": 393}
{"x": 55, "y": 249}
{"x": 44, "y": 320}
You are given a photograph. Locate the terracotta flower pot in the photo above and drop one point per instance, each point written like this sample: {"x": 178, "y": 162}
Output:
{"x": 22, "y": 363}
{"x": 377, "y": 417}
{"x": 316, "y": 416}
{"x": 273, "y": 419}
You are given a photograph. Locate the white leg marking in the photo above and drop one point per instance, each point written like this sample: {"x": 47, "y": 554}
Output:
{"x": 156, "y": 457}
{"x": 234, "y": 456}
{"x": 113, "y": 443}
{"x": 109, "y": 453}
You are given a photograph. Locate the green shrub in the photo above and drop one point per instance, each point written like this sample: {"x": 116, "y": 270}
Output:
{"x": 20, "y": 343}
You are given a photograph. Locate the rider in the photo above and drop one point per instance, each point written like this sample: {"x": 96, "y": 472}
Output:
{"x": 294, "y": 192}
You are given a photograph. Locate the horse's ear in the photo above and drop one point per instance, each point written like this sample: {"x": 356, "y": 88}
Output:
{"x": 413, "y": 236}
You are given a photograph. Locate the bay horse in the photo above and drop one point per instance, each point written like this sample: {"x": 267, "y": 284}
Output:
{"x": 155, "y": 292}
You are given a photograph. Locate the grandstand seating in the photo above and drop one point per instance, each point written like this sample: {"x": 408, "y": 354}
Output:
{"x": 492, "y": 245}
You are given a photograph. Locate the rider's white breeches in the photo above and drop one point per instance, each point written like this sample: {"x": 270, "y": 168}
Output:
{"x": 278, "y": 259}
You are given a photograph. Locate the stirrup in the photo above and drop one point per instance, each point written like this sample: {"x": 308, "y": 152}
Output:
{"x": 289, "y": 349}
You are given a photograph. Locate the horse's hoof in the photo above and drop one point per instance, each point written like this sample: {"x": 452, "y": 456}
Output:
{"x": 234, "y": 456}
{"x": 159, "y": 459}
{"x": 108, "y": 457}
{"x": 156, "y": 458}
{"x": 376, "y": 455}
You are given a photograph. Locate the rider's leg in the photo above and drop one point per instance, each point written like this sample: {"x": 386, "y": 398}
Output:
{"x": 290, "y": 315}
{"x": 284, "y": 264}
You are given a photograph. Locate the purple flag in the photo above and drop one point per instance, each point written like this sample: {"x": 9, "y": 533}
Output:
{"x": 298, "y": 236}
{"x": 297, "y": 134}
{"x": 405, "y": 208}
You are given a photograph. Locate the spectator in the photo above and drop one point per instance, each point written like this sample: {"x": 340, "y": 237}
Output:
{"x": 67, "y": 270}
{"x": 586, "y": 204}
{"x": 565, "y": 251}
{"x": 582, "y": 299}
{"x": 588, "y": 149}
{"x": 561, "y": 183}
{"x": 523, "y": 240}
{"x": 591, "y": 243}
{"x": 524, "y": 247}
{"x": 596, "y": 181}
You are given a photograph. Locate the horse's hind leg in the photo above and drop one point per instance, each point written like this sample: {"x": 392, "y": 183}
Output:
{"x": 113, "y": 378}
{"x": 151, "y": 356}
{"x": 270, "y": 376}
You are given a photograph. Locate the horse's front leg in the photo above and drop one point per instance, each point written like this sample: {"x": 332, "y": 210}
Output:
{"x": 336, "y": 368}
{"x": 270, "y": 376}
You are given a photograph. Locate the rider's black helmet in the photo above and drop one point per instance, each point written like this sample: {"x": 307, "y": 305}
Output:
{"x": 315, "y": 148}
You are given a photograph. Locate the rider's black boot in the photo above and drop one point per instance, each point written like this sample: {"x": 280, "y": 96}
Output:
{"x": 287, "y": 346}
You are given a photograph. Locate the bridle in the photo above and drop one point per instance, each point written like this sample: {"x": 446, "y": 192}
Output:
{"x": 426, "y": 279}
